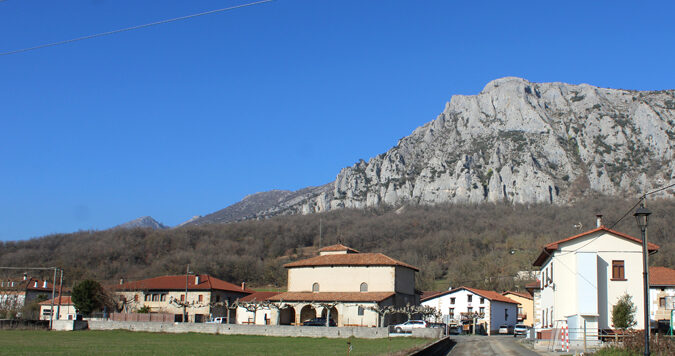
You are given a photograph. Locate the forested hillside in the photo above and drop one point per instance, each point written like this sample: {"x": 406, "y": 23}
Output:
{"x": 457, "y": 244}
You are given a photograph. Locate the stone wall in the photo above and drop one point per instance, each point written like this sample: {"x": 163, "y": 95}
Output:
{"x": 232, "y": 329}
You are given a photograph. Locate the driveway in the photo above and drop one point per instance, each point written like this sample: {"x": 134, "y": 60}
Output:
{"x": 468, "y": 345}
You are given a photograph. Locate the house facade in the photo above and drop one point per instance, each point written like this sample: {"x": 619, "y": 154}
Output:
{"x": 346, "y": 286}
{"x": 63, "y": 311}
{"x": 461, "y": 305}
{"x": 583, "y": 276}
{"x": 167, "y": 294}
{"x": 251, "y": 312}
{"x": 661, "y": 293}
{"x": 15, "y": 293}
{"x": 525, "y": 306}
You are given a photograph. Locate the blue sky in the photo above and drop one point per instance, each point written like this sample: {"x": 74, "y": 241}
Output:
{"x": 189, "y": 117}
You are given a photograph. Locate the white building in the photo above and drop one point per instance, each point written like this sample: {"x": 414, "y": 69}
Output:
{"x": 661, "y": 293}
{"x": 583, "y": 276}
{"x": 348, "y": 287}
{"x": 64, "y": 309}
{"x": 251, "y": 312}
{"x": 462, "y": 304}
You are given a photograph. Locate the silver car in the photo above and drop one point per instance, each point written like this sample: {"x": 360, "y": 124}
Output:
{"x": 409, "y": 325}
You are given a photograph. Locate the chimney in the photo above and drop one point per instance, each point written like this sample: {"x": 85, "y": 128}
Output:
{"x": 122, "y": 280}
{"x": 25, "y": 276}
{"x": 598, "y": 220}
{"x": 196, "y": 279}
{"x": 243, "y": 285}
{"x": 44, "y": 284}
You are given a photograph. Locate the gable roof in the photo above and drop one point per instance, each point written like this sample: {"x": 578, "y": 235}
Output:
{"x": 661, "y": 276}
{"x": 487, "y": 294}
{"x": 338, "y": 247}
{"x": 177, "y": 282}
{"x": 258, "y": 296}
{"x": 519, "y": 294}
{"x": 65, "y": 300}
{"x": 350, "y": 259}
{"x": 332, "y": 296}
{"x": 549, "y": 248}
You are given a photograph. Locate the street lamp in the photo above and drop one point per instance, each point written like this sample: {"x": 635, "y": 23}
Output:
{"x": 642, "y": 218}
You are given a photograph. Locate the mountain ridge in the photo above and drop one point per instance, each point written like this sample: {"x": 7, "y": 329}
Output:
{"x": 515, "y": 141}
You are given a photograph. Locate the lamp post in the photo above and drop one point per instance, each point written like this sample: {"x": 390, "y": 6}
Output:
{"x": 642, "y": 218}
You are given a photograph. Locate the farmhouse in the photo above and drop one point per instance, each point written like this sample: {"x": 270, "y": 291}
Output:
{"x": 461, "y": 305}
{"x": 167, "y": 294}
{"x": 348, "y": 287}
{"x": 583, "y": 276}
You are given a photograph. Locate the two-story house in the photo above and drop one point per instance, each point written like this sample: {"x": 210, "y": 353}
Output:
{"x": 461, "y": 305}
{"x": 661, "y": 293}
{"x": 348, "y": 287}
{"x": 167, "y": 294}
{"x": 15, "y": 293}
{"x": 583, "y": 276}
{"x": 525, "y": 306}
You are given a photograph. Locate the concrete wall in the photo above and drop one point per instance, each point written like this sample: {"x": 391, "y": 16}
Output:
{"x": 230, "y": 329}
{"x": 69, "y": 325}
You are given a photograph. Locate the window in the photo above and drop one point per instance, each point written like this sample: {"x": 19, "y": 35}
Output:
{"x": 315, "y": 287}
{"x": 364, "y": 287}
{"x": 201, "y": 298}
{"x": 551, "y": 271}
{"x": 182, "y": 297}
{"x": 550, "y": 319}
{"x": 452, "y": 300}
{"x": 148, "y": 297}
{"x": 481, "y": 310}
{"x": 469, "y": 309}
{"x": 217, "y": 298}
{"x": 662, "y": 302}
{"x": 135, "y": 297}
{"x": 506, "y": 314}
{"x": 163, "y": 297}
{"x": 482, "y": 300}
{"x": 469, "y": 298}
{"x": 360, "y": 311}
{"x": 451, "y": 312}
{"x": 618, "y": 270}
{"x": 520, "y": 310}
{"x": 155, "y": 297}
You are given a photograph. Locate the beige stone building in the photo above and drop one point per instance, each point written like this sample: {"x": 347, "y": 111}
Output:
{"x": 64, "y": 309}
{"x": 167, "y": 295}
{"x": 661, "y": 293}
{"x": 347, "y": 286}
{"x": 525, "y": 306}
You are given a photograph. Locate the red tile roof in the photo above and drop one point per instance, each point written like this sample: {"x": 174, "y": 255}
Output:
{"x": 350, "y": 259}
{"x": 258, "y": 296}
{"x": 661, "y": 276}
{"x": 177, "y": 282}
{"x": 332, "y": 296}
{"x": 487, "y": 294}
{"x": 32, "y": 284}
{"x": 549, "y": 248}
{"x": 520, "y": 294}
{"x": 65, "y": 300}
{"x": 534, "y": 285}
{"x": 338, "y": 247}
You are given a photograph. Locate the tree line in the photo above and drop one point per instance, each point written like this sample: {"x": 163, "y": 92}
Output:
{"x": 477, "y": 245}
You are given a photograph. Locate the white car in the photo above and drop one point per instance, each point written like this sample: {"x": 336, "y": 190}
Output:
{"x": 409, "y": 325}
{"x": 505, "y": 329}
{"x": 520, "y": 329}
{"x": 218, "y": 320}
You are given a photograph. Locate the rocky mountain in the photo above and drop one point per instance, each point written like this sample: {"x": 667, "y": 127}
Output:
{"x": 143, "y": 222}
{"x": 516, "y": 141}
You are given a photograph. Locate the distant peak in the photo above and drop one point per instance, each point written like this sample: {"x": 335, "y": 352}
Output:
{"x": 506, "y": 81}
{"x": 143, "y": 222}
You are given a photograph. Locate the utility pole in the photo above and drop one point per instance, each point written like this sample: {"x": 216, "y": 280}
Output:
{"x": 187, "y": 273}
{"x": 58, "y": 308}
{"x": 51, "y": 312}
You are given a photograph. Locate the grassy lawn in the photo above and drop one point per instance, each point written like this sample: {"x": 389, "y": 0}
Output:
{"x": 118, "y": 342}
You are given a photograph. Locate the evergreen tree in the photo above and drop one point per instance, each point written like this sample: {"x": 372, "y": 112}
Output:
{"x": 623, "y": 312}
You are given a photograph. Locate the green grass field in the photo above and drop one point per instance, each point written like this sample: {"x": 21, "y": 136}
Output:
{"x": 118, "y": 342}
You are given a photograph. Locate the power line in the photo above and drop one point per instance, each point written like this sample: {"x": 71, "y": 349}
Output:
{"x": 133, "y": 27}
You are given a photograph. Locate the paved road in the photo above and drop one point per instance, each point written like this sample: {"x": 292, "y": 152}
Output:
{"x": 468, "y": 345}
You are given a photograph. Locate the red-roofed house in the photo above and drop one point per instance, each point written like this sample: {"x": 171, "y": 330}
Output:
{"x": 345, "y": 283}
{"x": 163, "y": 295}
{"x": 64, "y": 311}
{"x": 584, "y": 275}
{"x": 15, "y": 293}
{"x": 525, "y": 306}
{"x": 661, "y": 292}
{"x": 461, "y": 305}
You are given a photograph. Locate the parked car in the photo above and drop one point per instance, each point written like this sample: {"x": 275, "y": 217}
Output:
{"x": 505, "y": 329}
{"x": 318, "y": 322}
{"x": 520, "y": 329}
{"x": 409, "y": 325}
{"x": 218, "y": 320}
